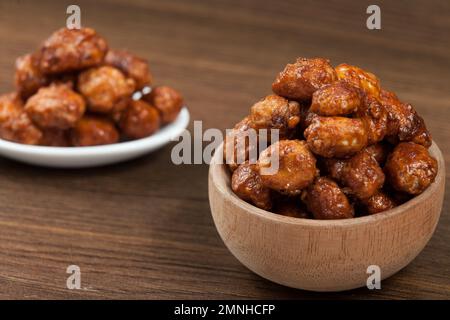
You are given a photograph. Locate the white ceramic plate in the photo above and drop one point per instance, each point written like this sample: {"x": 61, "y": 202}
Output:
{"x": 81, "y": 157}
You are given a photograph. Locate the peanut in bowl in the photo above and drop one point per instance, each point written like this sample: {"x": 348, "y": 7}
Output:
{"x": 323, "y": 255}
{"x": 360, "y": 182}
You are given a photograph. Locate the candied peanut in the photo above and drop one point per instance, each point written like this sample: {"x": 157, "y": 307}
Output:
{"x": 10, "y": 105}
{"x": 362, "y": 175}
{"x": 20, "y": 129}
{"x": 15, "y": 125}
{"x": 379, "y": 202}
{"x": 56, "y": 106}
{"x": 375, "y": 118}
{"x": 167, "y": 100}
{"x": 296, "y": 166}
{"x": 359, "y": 78}
{"x": 106, "y": 89}
{"x": 139, "y": 120}
{"x": 338, "y": 137}
{"x": 246, "y": 183}
{"x": 299, "y": 80}
{"x": 325, "y": 200}
{"x": 131, "y": 65}
{"x": 72, "y": 49}
{"x": 238, "y": 146}
{"x": 28, "y": 78}
{"x": 410, "y": 168}
{"x": 379, "y": 151}
{"x": 422, "y": 136}
{"x": 335, "y": 167}
{"x": 275, "y": 112}
{"x": 404, "y": 124}
{"x": 94, "y": 130}
{"x": 336, "y": 99}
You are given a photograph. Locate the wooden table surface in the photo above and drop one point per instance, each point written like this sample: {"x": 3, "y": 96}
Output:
{"x": 143, "y": 229}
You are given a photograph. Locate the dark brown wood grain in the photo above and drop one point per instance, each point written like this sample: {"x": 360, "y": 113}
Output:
{"x": 143, "y": 229}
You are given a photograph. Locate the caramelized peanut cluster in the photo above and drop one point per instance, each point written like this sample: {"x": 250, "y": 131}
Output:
{"x": 346, "y": 147}
{"x": 75, "y": 91}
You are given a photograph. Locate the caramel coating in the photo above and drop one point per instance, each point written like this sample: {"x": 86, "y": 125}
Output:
{"x": 375, "y": 117}
{"x": 55, "y": 138}
{"x": 131, "y": 65}
{"x": 379, "y": 151}
{"x": 28, "y": 78}
{"x": 167, "y": 100}
{"x": 275, "y": 112}
{"x": 359, "y": 78}
{"x": 291, "y": 208}
{"x": 296, "y": 166}
{"x": 410, "y": 168}
{"x": 422, "y": 136}
{"x": 351, "y": 126}
{"x": 106, "y": 89}
{"x": 237, "y": 147}
{"x": 336, "y": 99}
{"x": 299, "y": 80}
{"x": 379, "y": 202}
{"x": 325, "y": 200}
{"x": 72, "y": 49}
{"x": 139, "y": 120}
{"x": 362, "y": 175}
{"x": 10, "y": 105}
{"x": 335, "y": 167}
{"x": 15, "y": 125}
{"x": 93, "y": 131}
{"x": 336, "y": 137}
{"x": 404, "y": 124}
{"x": 306, "y": 118}
{"x": 56, "y": 106}
{"x": 246, "y": 183}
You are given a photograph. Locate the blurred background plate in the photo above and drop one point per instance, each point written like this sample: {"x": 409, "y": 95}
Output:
{"x": 81, "y": 157}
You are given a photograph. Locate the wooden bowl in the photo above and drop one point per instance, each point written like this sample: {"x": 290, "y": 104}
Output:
{"x": 323, "y": 255}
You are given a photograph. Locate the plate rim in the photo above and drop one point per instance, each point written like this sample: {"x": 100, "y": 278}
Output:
{"x": 163, "y": 135}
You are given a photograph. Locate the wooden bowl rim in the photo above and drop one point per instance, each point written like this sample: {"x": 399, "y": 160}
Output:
{"x": 218, "y": 172}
